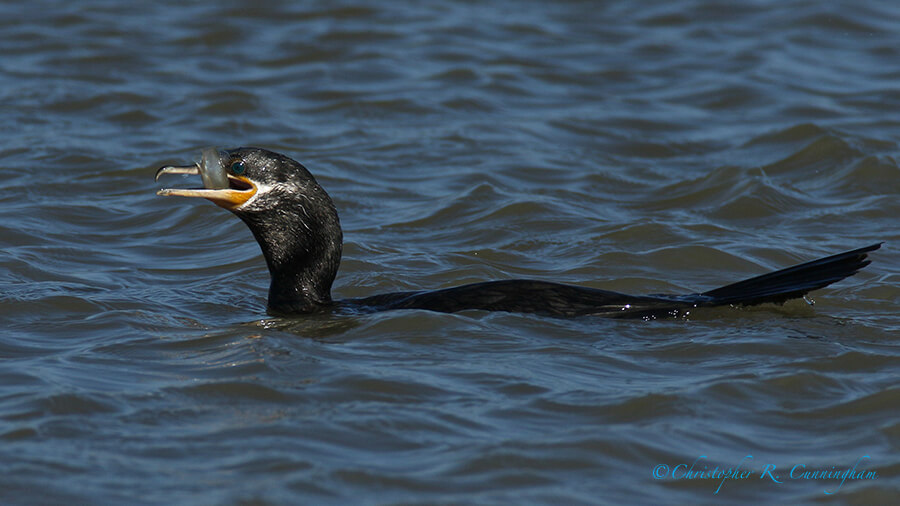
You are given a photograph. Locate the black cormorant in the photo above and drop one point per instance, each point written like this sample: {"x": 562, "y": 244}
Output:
{"x": 297, "y": 227}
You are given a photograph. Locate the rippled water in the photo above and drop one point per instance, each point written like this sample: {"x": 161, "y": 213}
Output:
{"x": 664, "y": 147}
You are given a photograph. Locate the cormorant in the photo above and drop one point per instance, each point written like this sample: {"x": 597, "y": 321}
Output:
{"x": 296, "y": 224}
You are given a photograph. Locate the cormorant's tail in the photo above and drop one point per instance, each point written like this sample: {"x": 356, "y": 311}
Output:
{"x": 793, "y": 282}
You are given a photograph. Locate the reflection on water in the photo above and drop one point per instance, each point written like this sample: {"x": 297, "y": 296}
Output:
{"x": 668, "y": 148}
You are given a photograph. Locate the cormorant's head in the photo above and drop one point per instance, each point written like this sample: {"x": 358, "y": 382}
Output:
{"x": 246, "y": 180}
{"x": 293, "y": 219}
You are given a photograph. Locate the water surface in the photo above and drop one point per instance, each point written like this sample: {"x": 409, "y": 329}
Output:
{"x": 641, "y": 147}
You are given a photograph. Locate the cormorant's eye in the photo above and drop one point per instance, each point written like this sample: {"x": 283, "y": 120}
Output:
{"x": 237, "y": 168}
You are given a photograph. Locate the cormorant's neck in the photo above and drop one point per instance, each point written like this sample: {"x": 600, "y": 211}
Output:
{"x": 301, "y": 240}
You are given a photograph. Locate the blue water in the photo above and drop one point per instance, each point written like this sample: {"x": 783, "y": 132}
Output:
{"x": 640, "y": 147}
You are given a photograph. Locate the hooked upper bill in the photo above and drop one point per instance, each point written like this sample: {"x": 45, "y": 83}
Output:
{"x": 221, "y": 187}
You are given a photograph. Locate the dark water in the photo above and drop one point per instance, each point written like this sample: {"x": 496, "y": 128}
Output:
{"x": 642, "y": 147}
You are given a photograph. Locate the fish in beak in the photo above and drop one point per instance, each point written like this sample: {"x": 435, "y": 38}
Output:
{"x": 220, "y": 184}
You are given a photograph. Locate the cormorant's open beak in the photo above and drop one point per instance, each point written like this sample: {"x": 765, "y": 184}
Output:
{"x": 220, "y": 187}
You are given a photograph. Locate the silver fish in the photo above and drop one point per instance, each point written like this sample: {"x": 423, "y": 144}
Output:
{"x": 212, "y": 169}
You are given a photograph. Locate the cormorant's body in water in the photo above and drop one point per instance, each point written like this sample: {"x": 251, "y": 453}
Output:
{"x": 297, "y": 227}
